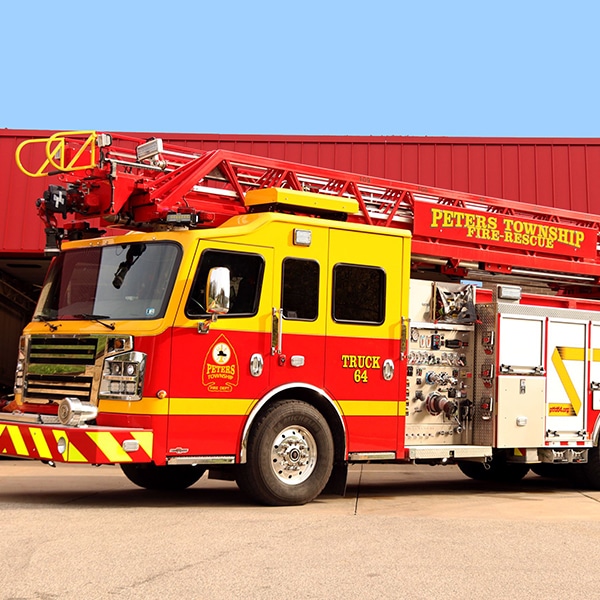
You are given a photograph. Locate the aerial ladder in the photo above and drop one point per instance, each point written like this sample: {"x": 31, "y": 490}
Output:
{"x": 115, "y": 180}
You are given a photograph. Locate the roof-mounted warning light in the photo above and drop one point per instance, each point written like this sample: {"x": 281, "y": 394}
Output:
{"x": 304, "y": 202}
{"x": 150, "y": 149}
{"x": 104, "y": 140}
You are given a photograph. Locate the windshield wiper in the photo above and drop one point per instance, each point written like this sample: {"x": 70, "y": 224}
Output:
{"x": 96, "y": 318}
{"x": 132, "y": 256}
{"x": 47, "y": 320}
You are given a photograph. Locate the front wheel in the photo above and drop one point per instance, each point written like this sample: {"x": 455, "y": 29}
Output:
{"x": 152, "y": 477}
{"x": 290, "y": 455}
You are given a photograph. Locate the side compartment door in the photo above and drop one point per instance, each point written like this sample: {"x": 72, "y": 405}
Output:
{"x": 521, "y": 400}
{"x": 595, "y": 366}
{"x": 567, "y": 378}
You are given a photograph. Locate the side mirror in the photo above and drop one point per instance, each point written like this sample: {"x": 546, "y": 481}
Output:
{"x": 218, "y": 289}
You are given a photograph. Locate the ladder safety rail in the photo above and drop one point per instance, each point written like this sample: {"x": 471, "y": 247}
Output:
{"x": 144, "y": 183}
{"x": 57, "y": 157}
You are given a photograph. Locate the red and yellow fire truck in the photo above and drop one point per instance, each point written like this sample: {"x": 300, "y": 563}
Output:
{"x": 271, "y": 323}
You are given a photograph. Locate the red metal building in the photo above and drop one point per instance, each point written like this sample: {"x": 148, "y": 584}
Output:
{"x": 561, "y": 173}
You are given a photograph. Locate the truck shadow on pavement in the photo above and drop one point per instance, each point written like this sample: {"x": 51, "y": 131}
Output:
{"x": 531, "y": 484}
{"x": 111, "y": 492}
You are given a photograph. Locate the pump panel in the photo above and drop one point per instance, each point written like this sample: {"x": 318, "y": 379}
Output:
{"x": 440, "y": 370}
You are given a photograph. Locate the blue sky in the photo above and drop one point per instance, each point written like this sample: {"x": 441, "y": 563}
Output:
{"x": 448, "y": 68}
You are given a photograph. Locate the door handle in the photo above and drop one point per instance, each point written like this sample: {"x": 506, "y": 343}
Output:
{"x": 277, "y": 331}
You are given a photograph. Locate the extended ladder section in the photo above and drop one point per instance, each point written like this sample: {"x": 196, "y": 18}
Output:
{"x": 117, "y": 180}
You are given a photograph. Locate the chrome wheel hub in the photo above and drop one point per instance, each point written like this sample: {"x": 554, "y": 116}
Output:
{"x": 293, "y": 455}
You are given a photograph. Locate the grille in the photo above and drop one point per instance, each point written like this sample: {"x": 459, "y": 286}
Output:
{"x": 60, "y": 367}
{"x": 48, "y": 388}
{"x": 58, "y": 351}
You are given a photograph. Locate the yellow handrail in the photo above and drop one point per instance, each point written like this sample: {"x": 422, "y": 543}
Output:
{"x": 55, "y": 146}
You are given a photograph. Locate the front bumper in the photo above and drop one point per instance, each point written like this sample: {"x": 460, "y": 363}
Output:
{"x": 23, "y": 436}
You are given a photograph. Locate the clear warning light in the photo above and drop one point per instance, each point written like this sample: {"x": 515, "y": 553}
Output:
{"x": 302, "y": 237}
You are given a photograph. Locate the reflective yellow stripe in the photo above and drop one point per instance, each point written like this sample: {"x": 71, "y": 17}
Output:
{"x": 558, "y": 356}
{"x": 145, "y": 440}
{"x": 74, "y": 455}
{"x": 109, "y": 445}
{"x": 242, "y": 407}
{"x": 571, "y": 353}
{"x": 369, "y": 408}
{"x": 40, "y": 442}
{"x": 145, "y": 406}
{"x": 17, "y": 440}
{"x": 210, "y": 406}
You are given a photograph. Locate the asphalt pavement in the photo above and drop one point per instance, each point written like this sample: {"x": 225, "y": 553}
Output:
{"x": 414, "y": 532}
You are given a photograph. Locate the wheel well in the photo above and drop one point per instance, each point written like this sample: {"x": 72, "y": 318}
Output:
{"x": 596, "y": 432}
{"x": 324, "y": 405}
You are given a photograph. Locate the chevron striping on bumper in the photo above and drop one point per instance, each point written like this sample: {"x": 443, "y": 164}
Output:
{"x": 40, "y": 442}
{"x": 17, "y": 439}
{"x": 71, "y": 454}
{"x": 145, "y": 439}
{"x": 109, "y": 445}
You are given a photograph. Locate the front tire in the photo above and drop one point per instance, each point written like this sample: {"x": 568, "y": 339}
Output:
{"x": 290, "y": 455}
{"x": 152, "y": 477}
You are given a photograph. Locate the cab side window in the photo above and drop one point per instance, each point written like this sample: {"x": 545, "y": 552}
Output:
{"x": 358, "y": 294}
{"x": 246, "y": 270}
{"x": 300, "y": 289}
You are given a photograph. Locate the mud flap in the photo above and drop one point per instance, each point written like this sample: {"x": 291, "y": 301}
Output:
{"x": 337, "y": 480}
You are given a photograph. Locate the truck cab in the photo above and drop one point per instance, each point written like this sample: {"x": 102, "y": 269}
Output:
{"x": 124, "y": 337}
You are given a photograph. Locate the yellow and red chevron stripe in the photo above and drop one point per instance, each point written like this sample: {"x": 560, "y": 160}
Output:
{"x": 94, "y": 445}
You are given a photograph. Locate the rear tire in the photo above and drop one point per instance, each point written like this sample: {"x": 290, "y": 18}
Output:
{"x": 475, "y": 470}
{"x": 552, "y": 470}
{"x": 591, "y": 469}
{"x": 152, "y": 477}
{"x": 499, "y": 470}
{"x": 290, "y": 455}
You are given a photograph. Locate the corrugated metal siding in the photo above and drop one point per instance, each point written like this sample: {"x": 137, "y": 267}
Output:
{"x": 562, "y": 173}
{"x": 21, "y": 230}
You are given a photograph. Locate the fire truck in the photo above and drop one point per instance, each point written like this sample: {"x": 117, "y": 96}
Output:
{"x": 272, "y": 323}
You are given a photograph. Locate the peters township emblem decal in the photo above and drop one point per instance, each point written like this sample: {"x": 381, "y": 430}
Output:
{"x": 220, "y": 372}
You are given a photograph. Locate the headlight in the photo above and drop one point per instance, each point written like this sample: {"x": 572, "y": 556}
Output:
{"x": 115, "y": 367}
{"x": 130, "y": 369}
{"x": 123, "y": 376}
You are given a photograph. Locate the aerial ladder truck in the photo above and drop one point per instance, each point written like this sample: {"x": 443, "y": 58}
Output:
{"x": 272, "y": 323}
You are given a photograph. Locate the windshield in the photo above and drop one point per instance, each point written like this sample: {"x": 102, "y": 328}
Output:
{"x": 130, "y": 281}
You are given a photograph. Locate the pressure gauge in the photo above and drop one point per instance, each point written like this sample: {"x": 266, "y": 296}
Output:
{"x": 414, "y": 334}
